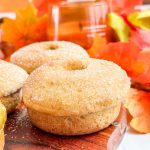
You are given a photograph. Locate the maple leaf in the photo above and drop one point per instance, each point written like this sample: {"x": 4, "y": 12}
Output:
{"x": 144, "y": 77}
{"x": 43, "y": 5}
{"x": 132, "y": 27}
{"x": 140, "y": 19}
{"x": 124, "y": 6}
{"x": 138, "y": 104}
{"x": 120, "y": 27}
{"x": 1, "y": 53}
{"x": 26, "y": 28}
{"x": 141, "y": 38}
{"x": 125, "y": 54}
{"x": 98, "y": 45}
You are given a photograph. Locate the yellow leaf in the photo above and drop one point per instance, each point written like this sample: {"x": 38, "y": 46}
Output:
{"x": 118, "y": 24}
{"x": 140, "y": 19}
{"x": 3, "y": 115}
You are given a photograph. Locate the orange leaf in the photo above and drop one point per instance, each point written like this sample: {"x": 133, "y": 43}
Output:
{"x": 144, "y": 57}
{"x": 141, "y": 38}
{"x": 138, "y": 105}
{"x": 143, "y": 78}
{"x": 124, "y": 6}
{"x": 98, "y": 45}
{"x": 125, "y": 55}
{"x": 43, "y": 5}
{"x": 26, "y": 28}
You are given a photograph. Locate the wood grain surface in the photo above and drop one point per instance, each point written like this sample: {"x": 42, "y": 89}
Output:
{"x": 20, "y": 134}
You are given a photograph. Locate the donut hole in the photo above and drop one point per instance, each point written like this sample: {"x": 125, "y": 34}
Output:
{"x": 76, "y": 65}
{"x": 53, "y": 47}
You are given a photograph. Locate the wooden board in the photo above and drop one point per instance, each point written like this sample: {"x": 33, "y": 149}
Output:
{"x": 20, "y": 134}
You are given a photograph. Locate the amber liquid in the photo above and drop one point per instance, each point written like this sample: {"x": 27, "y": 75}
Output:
{"x": 78, "y": 22}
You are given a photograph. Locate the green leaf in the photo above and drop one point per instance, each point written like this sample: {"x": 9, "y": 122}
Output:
{"x": 120, "y": 27}
{"x": 140, "y": 19}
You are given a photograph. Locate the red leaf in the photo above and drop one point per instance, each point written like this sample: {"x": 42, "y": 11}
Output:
{"x": 141, "y": 38}
{"x": 125, "y": 17}
{"x": 1, "y": 53}
{"x": 124, "y": 6}
{"x": 125, "y": 55}
{"x": 144, "y": 57}
{"x": 43, "y": 5}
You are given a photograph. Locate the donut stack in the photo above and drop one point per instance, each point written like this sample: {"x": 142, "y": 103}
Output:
{"x": 66, "y": 93}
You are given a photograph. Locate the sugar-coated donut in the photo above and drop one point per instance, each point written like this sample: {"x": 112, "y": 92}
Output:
{"x": 76, "y": 96}
{"x": 12, "y": 79}
{"x": 32, "y": 56}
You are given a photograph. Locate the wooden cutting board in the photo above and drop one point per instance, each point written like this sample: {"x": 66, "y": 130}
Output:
{"x": 20, "y": 134}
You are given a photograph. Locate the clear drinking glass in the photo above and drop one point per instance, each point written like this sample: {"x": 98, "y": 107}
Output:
{"x": 78, "y": 22}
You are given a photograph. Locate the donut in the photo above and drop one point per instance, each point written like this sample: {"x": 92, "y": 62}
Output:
{"x": 12, "y": 79}
{"x": 32, "y": 56}
{"x": 2, "y": 122}
{"x": 75, "y": 96}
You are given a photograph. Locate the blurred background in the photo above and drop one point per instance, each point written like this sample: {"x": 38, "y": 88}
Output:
{"x": 8, "y": 5}
{"x": 115, "y": 30}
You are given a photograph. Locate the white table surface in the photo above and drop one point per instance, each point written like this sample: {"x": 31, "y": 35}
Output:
{"x": 131, "y": 140}
{"x": 135, "y": 141}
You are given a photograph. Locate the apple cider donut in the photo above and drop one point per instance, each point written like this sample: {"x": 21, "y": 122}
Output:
{"x": 76, "y": 96}
{"x": 12, "y": 79}
{"x": 32, "y": 56}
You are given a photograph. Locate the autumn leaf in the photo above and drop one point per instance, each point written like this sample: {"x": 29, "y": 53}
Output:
{"x": 43, "y": 5}
{"x": 138, "y": 104}
{"x": 3, "y": 116}
{"x": 144, "y": 56}
{"x": 121, "y": 29}
{"x": 1, "y": 53}
{"x": 132, "y": 27}
{"x": 124, "y": 6}
{"x": 125, "y": 55}
{"x": 144, "y": 77}
{"x": 140, "y": 19}
{"x": 26, "y": 28}
{"x": 98, "y": 45}
{"x": 141, "y": 38}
